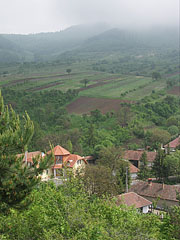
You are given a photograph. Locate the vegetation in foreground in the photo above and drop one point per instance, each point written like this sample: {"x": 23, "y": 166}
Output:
{"x": 67, "y": 212}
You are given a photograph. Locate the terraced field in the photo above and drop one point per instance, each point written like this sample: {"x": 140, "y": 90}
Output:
{"x": 104, "y": 91}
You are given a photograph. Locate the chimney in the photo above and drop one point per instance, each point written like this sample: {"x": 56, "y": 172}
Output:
{"x": 150, "y": 181}
{"x": 162, "y": 185}
{"x": 26, "y": 152}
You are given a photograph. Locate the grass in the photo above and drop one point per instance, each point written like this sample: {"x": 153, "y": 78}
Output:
{"x": 117, "y": 87}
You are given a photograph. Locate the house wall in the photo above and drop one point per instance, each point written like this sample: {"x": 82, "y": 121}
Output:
{"x": 133, "y": 175}
{"x": 79, "y": 167}
{"x": 145, "y": 209}
{"x": 150, "y": 164}
{"x": 46, "y": 174}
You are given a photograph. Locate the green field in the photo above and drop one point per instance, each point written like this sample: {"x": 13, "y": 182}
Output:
{"x": 100, "y": 85}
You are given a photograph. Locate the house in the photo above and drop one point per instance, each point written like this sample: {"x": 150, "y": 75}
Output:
{"x": 133, "y": 171}
{"x": 135, "y": 156}
{"x": 171, "y": 146}
{"x": 28, "y": 160}
{"x": 62, "y": 159}
{"x": 28, "y": 157}
{"x": 133, "y": 199}
{"x": 164, "y": 195}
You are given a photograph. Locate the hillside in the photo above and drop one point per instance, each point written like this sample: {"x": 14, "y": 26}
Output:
{"x": 84, "y": 41}
{"x": 44, "y": 46}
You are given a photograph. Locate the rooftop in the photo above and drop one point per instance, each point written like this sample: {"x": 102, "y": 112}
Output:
{"x": 154, "y": 190}
{"x": 30, "y": 156}
{"x": 173, "y": 144}
{"x": 136, "y": 155}
{"x": 133, "y": 199}
{"x": 59, "y": 151}
{"x": 133, "y": 169}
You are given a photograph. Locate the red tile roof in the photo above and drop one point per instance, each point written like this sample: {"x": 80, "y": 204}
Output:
{"x": 166, "y": 192}
{"x": 30, "y": 156}
{"x": 59, "y": 151}
{"x": 175, "y": 143}
{"x": 133, "y": 169}
{"x": 131, "y": 199}
{"x": 72, "y": 159}
{"x": 136, "y": 155}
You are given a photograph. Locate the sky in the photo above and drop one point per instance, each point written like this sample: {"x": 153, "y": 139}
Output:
{"x": 33, "y": 16}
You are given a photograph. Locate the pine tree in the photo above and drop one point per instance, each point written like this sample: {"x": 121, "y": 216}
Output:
{"x": 143, "y": 174}
{"x": 16, "y": 179}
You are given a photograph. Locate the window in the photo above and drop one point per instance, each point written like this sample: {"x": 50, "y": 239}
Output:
{"x": 59, "y": 159}
{"x": 79, "y": 162}
{"x": 47, "y": 172}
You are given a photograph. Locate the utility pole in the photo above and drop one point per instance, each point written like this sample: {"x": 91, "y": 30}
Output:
{"x": 126, "y": 179}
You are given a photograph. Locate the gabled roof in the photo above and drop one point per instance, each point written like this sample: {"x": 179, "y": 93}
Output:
{"x": 59, "y": 151}
{"x": 136, "y": 155}
{"x": 131, "y": 199}
{"x": 133, "y": 169}
{"x": 30, "y": 156}
{"x": 69, "y": 161}
{"x": 166, "y": 192}
{"x": 175, "y": 143}
{"x": 72, "y": 159}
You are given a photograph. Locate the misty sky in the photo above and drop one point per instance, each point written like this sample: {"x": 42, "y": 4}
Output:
{"x": 31, "y": 16}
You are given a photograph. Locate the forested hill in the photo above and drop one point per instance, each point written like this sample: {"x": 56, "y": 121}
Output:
{"x": 10, "y": 51}
{"x": 82, "y": 39}
{"x": 44, "y": 46}
{"x": 129, "y": 42}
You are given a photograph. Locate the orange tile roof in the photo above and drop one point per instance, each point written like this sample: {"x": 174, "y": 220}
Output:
{"x": 30, "y": 156}
{"x": 133, "y": 169}
{"x": 167, "y": 192}
{"x": 70, "y": 160}
{"x": 136, "y": 155}
{"x": 59, "y": 151}
{"x": 175, "y": 143}
{"x": 131, "y": 199}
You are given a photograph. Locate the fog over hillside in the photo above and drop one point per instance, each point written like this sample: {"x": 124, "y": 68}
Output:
{"x": 19, "y": 16}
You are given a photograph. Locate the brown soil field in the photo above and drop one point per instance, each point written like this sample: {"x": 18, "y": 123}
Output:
{"x": 175, "y": 90}
{"x": 87, "y": 104}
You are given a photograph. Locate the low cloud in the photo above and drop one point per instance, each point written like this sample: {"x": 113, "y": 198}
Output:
{"x": 52, "y": 15}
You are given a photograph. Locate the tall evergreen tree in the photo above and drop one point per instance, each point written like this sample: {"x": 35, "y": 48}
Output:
{"x": 16, "y": 179}
{"x": 143, "y": 174}
{"x": 159, "y": 168}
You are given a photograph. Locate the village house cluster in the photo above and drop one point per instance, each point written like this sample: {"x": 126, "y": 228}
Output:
{"x": 141, "y": 194}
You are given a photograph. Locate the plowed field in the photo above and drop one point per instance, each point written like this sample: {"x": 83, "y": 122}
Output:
{"x": 87, "y": 104}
